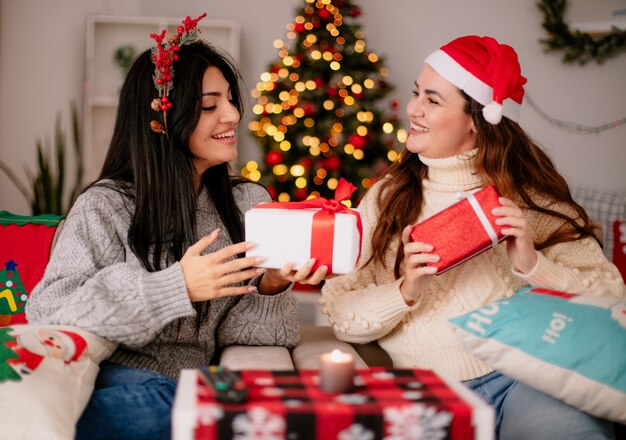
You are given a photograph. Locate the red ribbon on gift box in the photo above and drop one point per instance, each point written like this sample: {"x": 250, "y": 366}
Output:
{"x": 323, "y": 229}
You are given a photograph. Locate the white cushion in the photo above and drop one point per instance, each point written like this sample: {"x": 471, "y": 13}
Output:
{"x": 572, "y": 347}
{"x": 47, "y": 375}
{"x": 247, "y": 357}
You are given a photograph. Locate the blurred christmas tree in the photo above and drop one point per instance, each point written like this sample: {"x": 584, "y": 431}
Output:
{"x": 319, "y": 111}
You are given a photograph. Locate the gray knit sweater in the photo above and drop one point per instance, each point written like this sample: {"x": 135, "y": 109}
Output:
{"x": 94, "y": 281}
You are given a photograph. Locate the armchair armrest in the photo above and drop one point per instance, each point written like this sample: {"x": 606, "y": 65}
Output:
{"x": 244, "y": 357}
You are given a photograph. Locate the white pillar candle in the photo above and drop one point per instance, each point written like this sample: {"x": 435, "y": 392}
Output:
{"x": 336, "y": 372}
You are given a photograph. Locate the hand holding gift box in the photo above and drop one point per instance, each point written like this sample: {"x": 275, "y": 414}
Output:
{"x": 326, "y": 230}
{"x": 463, "y": 230}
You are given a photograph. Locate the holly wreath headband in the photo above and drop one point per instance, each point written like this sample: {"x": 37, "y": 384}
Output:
{"x": 163, "y": 56}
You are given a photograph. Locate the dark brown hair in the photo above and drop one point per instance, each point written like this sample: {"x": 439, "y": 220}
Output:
{"x": 157, "y": 171}
{"x": 506, "y": 158}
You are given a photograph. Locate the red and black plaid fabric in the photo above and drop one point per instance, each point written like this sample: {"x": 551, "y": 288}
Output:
{"x": 384, "y": 403}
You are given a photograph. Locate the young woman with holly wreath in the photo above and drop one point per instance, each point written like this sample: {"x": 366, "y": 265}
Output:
{"x": 152, "y": 254}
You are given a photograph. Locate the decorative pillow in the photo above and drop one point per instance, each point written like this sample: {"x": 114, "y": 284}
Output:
{"x": 619, "y": 246}
{"x": 25, "y": 244}
{"x": 572, "y": 347}
{"x": 47, "y": 374}
{"x": 603, "y": 207}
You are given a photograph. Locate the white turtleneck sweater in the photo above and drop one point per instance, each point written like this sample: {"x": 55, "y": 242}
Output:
{"x": 367, "y": 305}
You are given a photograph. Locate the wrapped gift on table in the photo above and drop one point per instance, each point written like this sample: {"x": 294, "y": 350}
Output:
{"x": 462, "y": 230}
{"x": 384, "y": 403}
{"x": 326, "y": 230}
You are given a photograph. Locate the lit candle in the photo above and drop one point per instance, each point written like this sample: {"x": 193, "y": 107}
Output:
{"x": 336, "y": 372}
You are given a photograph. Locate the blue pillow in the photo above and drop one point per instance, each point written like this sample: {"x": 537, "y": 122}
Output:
{"x": 572, "y": 347}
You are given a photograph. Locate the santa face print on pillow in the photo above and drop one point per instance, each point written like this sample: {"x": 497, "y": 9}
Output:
{"x": 47, "y": 374}
{"x": 32, "y": 346}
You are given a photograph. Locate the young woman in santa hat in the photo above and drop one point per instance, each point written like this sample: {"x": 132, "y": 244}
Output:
{"x": 464, "y": 135}
{"x": 152, "y": 255}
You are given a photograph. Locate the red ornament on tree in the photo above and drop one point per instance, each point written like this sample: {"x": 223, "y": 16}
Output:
{"x": 273, "y": 157}
{"x": 308, "y": 108}
{"x": 358, "y": 141}
{"x": 306, "y": 162}
{"x": 325, "y": 15}
{"x": 301, "y": 194}
{"x": 299, "y": 27}
{"x": 355, "y": 12}
{"x": 332, "y": 163}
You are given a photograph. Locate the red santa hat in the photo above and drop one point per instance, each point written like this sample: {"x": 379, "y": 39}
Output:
{"x": 74, "y": 344}
{"x": 486, "y": 70}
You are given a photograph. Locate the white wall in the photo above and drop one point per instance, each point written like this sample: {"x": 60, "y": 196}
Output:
{"x": 42, "y": 57}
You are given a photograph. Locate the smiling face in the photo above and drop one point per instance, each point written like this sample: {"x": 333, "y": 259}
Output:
{"x": 213, "y": 139}
{"x": 439, "y": 126}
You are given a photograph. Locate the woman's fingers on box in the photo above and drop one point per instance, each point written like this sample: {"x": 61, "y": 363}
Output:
{"x": 318, "y": 276}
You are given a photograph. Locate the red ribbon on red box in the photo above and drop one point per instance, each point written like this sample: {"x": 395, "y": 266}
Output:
{"x": 323, "y": 229}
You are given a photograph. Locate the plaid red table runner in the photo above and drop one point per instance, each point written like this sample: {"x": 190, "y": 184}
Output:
{"x": 385, "y": 403}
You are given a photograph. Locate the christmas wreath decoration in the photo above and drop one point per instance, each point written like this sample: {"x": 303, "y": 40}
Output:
{"x": 578, "y": 46}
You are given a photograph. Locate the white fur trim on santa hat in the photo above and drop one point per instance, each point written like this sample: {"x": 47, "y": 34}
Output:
{"x": 30, "y": 341}
{"x": 452, "y": 71}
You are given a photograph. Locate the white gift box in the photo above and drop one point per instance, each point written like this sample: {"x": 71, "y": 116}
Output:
{"x": 284, "y": 235}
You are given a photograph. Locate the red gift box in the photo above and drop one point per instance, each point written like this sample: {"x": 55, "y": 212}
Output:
{"x": 462, "y": 230}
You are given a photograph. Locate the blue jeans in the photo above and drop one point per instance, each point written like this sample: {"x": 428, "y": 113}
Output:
{"x": 523, "y": 412}
{"x": 128, "y": 403}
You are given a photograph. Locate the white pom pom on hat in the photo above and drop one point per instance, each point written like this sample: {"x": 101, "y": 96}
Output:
{"x": 492, "y": 113}
{"x": 486, "y": 70}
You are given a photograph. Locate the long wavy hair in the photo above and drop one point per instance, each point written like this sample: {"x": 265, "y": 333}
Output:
{"x": 156, "y": 171}
{"x": 506, "y": 158}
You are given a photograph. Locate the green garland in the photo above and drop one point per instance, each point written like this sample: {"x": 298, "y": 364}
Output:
{"x": 579, "y": 46}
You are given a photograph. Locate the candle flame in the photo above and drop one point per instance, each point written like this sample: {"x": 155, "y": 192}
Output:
{"x": 337, "y": 356}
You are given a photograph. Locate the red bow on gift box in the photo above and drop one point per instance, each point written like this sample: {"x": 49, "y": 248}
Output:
{"x": 323, "y": 230}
